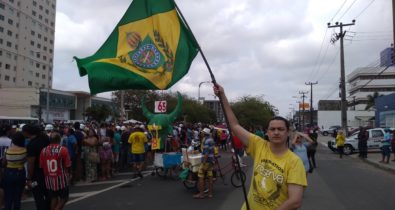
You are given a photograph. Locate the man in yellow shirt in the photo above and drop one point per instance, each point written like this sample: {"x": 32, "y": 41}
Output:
{"x": 137, "y": 140}
{"x": 279, "y": 177}
{"x": 340, "y": 139}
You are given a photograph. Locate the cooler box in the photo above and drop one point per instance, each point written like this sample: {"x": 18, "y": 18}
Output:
{"x": 171, "y": 159}
{"x": 158, "y": 160}
{"x": 195, "y": 159}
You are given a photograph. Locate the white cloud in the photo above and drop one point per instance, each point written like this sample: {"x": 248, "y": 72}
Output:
{"x": 254, "y": 47}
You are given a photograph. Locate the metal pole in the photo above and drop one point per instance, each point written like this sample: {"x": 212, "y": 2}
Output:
{"x": 342, "y": 73}
{"x": 47, "y": 108}
{"x": 221, "y": 102}
{"x": 200, "y": 84}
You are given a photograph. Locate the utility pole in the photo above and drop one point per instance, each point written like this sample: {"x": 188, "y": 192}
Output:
{"x": 311, "y": 100}
{"x": 303, "y": 96}
{"x": 122, "y": 106}
{"x": 393, "y": 28}
{"x": 342, "y": 71}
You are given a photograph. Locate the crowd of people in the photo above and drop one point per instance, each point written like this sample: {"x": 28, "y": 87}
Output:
{"x": 47, "y": 160}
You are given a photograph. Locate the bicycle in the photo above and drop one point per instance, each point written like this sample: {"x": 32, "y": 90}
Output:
{"x": 238, "y": 175}
{"x": 169, "y": 165}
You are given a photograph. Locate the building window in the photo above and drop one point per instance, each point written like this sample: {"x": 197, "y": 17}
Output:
{"x": 7, "y": 66}
{"x": 9, "y": 44}
{"x": 34, "y": 3}
{"x": 43, "y": 76}
{"x": 1, "y": 41}
{"x": 1, "y": 17}
{"x": 1, "y": 29}
{"x": 7, "y": 78}
{"x": 45, "y": 48}
{"x": 10, "y": 21}
{"x": 2, "y": 6}
{"x": 40, "y": 7}
{"x": 37, "y": 74}
{"x": 45, "y": 38}
{"x": 29, "y": 83}
{"x": 1, "y": 52}
{"x": 32, "y": 43}
{"x": 34, "y": 13}
{"x": 9, "y": 33}
{"x": 39, "y": 36}
{"x": 38, "y": 46}
{"x": 32, "y": 33}
{"x": 37, "y": 65}
{"x": 40, "y": 17}
{"x": 14, "y": 80}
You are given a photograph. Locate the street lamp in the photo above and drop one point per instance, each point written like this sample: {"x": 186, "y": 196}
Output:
{"x": 49, "y": 69}
{"x": 200, "y": 84}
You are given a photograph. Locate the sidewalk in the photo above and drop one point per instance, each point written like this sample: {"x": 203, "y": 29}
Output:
{"x": 374, "y": 158}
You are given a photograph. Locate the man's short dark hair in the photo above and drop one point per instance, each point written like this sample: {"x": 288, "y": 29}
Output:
{"x": 77, "y": 125}
{"x": 281, "y": 119}
{"x": 55, "y": 137}
{"x": 18, "y": 139}
{"x": 31, "y": 129}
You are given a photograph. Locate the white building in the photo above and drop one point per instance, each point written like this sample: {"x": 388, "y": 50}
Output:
{"x": 27, "y": 30}
{"x": 365, "y": 81}
{"x": 62, "y": 106}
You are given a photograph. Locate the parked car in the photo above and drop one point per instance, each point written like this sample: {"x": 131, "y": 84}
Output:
{"x": 330, "y": 130}
{"x": 376, "y": 135}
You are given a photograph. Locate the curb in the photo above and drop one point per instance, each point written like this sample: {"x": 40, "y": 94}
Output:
{"x": 379, "y": 165}
{"x": 371, "y": 162}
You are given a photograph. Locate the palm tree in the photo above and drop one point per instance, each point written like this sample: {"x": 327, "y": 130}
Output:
{"x": 371, "y": 98}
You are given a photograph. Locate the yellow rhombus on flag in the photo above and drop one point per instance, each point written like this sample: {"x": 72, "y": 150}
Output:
{"x": 150, "y": 48}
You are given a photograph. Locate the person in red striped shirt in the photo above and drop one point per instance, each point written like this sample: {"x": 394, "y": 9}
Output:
{"x": 56, "y": 164}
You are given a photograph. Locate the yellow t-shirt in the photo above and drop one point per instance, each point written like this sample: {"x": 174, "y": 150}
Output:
{"x": 271, "y": 175}
{"x": 137, "y": 140}
{"x": 340, "y": 139}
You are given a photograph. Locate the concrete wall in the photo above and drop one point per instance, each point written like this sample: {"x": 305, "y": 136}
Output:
{"x": 354, "y": 118}
{"x": 17, "y": 102}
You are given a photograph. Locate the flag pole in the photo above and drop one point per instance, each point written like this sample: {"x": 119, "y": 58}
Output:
{"x": 222, "y": 106}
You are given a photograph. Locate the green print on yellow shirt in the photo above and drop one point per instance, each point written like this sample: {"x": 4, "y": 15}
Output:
{"x": 272, "y": 174}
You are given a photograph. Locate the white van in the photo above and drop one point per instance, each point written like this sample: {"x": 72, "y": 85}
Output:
{"x": 376, "y": 135}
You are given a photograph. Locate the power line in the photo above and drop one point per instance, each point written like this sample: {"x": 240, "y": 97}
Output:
{"x": 341, "y": 7}
{"x": 347, "y": 9}
{"x": 364, "y": 9}
{"x": 315, "y": 69}
{"x": 333, "y": 61}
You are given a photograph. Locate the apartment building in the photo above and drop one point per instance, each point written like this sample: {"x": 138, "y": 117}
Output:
{"x": 27, "y": 29}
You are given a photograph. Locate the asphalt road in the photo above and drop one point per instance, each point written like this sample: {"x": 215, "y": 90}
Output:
{"x": 337, "y": 184}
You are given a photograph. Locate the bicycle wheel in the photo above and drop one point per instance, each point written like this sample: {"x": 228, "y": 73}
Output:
{"x": 191, "y": 182}
{"x": 160, "y": 171}
{"x": 174, "y": 172}
{"x": 237, "y": 178}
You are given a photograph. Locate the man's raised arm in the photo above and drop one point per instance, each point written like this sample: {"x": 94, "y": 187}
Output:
{"x": 239, "y": 131}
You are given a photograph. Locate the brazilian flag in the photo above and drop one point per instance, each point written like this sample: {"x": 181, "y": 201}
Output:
{"x": 150, "y": 48}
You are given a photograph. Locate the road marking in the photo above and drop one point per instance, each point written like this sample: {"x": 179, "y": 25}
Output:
{"x": 72, "y": 195}
{"x": 90, "y": 194}
{"x": 83, "y": 195}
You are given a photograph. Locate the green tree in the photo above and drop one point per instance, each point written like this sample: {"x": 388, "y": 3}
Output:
{"x": 98, "y": 113}
{"x": 253, "y": 111}
{"x": 371, "y": 98}
{"x": 132, "y": 102}
{"x": 192, "y": 110}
